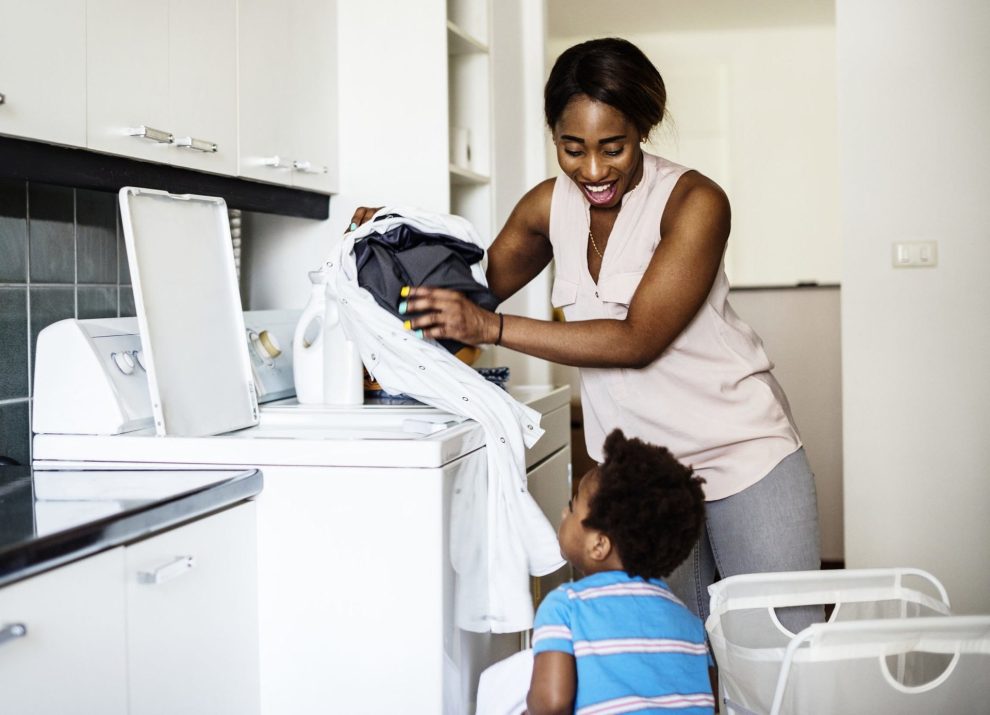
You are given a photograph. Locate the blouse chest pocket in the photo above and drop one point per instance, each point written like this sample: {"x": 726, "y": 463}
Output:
{"x": 563, "y": 295}
{"x": 616, "y": 292}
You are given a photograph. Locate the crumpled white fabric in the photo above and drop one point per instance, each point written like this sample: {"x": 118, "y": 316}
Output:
{"x": 503, "y": 686}
{"x": 498, "y": 534}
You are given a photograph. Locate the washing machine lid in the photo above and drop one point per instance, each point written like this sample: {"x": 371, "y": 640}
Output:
{"x": 189, "y": 312}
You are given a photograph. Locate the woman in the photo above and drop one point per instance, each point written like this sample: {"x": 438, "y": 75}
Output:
{"x": 637, "y": 243}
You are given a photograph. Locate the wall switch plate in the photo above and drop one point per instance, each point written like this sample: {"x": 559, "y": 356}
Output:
{"x": 915, "y": 254}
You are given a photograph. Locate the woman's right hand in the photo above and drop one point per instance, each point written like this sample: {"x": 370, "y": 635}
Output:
{"x": 361, "y": 215}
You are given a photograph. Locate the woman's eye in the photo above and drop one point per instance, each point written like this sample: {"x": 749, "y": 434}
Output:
{"x": 572, "y": 152}
{"x": 613, "y": 152}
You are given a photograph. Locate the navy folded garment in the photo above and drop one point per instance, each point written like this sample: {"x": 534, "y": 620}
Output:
{"x": 406, "y": 256}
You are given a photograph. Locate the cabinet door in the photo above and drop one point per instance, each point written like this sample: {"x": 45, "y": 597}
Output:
{"x": 203, "y": 84}
{"x": 127, "y": 76}
{"x": 263, "y": 91}
{"x": 287, "y": 103}
{"x": 192, "y": 617}
{"x": 312, "y": 102}
{"x": 72, "y": 658}
{"x": 43, "y": 70}
{"x": 550, "y": 485}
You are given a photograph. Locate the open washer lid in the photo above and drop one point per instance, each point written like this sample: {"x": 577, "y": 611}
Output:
{"x": 189, "y": 312}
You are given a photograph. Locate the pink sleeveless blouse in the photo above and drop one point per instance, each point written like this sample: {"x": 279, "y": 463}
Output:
{"x": 710, "y": 397}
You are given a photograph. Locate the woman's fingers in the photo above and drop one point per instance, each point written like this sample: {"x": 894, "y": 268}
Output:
{"x": 362, "y": 214}
{"x": 441, "y": 313}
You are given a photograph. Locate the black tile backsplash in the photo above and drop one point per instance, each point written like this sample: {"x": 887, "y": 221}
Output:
{"x": 61, "y": 256}
{"x": 13, "y": 231}
{"x": 51, "y": 234}
{"x": 13, "y": 342}
{"x": 96, "y": 237}
{"x": 15, "y": 431}
{"x": 97, "y": 302}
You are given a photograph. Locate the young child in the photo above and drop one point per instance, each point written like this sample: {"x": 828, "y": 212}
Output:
{"x": 618, "y": 640}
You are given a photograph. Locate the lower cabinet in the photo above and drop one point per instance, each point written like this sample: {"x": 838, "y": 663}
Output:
{"x": 192, "y": 618}
{"x": 164, "y": 625}
{"x": 64, "y": 640}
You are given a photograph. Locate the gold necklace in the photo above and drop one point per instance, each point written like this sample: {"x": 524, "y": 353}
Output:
{"x": 595, "y": 245}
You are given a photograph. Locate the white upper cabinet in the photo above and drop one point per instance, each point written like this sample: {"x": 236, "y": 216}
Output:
{"x": 43, "y": 70}
{"x": 288, "y": 93}
{"x": 162, "y": 81}
{"x": 127, "y": 78}
{"x": 203, "y": 84}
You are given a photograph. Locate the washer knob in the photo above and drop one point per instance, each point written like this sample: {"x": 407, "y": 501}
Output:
{"x": 269, "y": 345}
{"x": 124, "y": 362}
{"x": 139, "y": 358}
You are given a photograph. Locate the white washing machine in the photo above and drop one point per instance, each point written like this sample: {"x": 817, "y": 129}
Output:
{"x": 356, "y": 590}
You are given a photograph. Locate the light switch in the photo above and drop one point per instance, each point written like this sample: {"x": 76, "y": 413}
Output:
{"x": 915, "y": 254}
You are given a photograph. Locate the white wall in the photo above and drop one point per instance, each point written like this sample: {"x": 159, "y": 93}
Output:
{"x": 913, "y": 103}
{"x": 800, "y": 328}
{"x": 518, "y": 76}
{"x": 754, "y": 109}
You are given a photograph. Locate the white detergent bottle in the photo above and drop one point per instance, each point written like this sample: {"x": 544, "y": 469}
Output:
{"x": 308, "y": 342}
{"x": 343, "y": 371}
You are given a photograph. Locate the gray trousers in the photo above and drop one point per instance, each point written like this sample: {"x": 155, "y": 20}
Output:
{"x": 769, "y": 526}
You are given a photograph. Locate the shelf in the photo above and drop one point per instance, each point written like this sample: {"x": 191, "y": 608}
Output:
{"x": 460, "y": 42}
{"x": 465, "y": 177}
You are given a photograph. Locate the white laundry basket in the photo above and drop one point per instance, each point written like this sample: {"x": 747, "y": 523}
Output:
{"x": 890, "y": 645}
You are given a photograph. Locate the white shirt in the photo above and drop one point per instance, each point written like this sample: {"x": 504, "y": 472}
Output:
{"x": 498, "y": 534}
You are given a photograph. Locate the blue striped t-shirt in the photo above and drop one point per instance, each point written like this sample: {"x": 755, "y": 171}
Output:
{"x": 636, "y": 646}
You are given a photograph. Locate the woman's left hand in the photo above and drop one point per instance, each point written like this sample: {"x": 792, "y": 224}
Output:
{"x": 446, "y": 314}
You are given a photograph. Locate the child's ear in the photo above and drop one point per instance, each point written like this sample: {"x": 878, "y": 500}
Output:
{"x": 600, "y": 546}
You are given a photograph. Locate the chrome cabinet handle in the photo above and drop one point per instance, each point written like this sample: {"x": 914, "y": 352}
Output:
{"x": 173, "y": 569}
{"x": 12, "y": 631}
{"x": 155, "y": 135}
{"x": 307, "y": 168}
{"x": 278, "y": 162}
{"x": 196, "y": 144}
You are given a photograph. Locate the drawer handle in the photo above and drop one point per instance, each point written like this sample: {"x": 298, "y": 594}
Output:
{"x": 173, "y": 569}
{"x": 197, "y": 144}
{"x": 278, "y": 162}
{"x": 2, "y": 98}
{"x": 155, "y": 135}
{"x": 12, "y": 631}
{"x": 307, "y": 168}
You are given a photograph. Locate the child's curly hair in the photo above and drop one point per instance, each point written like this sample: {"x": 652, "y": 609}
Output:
{"x": 650, "y": 505}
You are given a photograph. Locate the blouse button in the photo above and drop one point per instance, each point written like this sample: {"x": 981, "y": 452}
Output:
{"x": 596, "y": 294}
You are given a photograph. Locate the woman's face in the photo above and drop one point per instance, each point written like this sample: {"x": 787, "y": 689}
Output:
{"x": 598, "y": 148}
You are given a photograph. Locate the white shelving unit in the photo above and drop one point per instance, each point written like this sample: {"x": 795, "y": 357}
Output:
{"x": 469, "y": 75}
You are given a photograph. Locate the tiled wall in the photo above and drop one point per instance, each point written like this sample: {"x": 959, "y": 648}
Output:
{"x": 61, "y": 256}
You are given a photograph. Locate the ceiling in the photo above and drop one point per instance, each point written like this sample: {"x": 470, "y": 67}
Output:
{"x": 599, "y": 18}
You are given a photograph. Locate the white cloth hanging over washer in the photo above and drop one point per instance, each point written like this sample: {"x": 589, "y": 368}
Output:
{"x": 498, "y": 534}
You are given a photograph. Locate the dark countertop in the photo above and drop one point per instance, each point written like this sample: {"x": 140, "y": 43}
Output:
{"x": 50, "y": 518}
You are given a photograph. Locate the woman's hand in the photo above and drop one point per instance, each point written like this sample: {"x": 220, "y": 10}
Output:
{"x": 362, "y": 214}
{"x": 448, "y": 314}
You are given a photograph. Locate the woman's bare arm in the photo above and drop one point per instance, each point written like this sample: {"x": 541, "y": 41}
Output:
{"x": 522, "y": 248}
{"x": 695, "y": 227}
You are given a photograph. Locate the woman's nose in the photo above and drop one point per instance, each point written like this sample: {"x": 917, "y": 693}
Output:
{"x": 594, "y": 169}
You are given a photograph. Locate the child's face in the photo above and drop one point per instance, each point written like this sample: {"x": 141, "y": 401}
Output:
{"x": 572, "y": 534}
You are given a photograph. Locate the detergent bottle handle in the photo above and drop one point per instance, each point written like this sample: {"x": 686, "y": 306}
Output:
{"x": 307, "y": 358}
